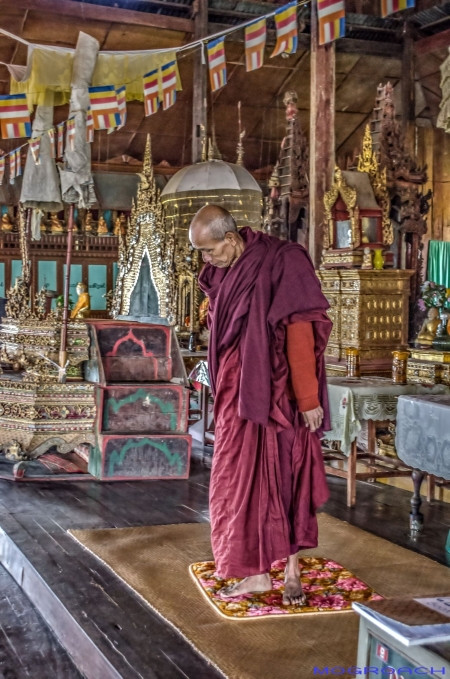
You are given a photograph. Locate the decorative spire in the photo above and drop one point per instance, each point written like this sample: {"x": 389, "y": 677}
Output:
{"x": 240, "y": 146}
{"x": 213, "y": 151}
{"x": 367, "y": 161}
{"x": 147, "y": 169}
{"x": 147, "y": 193}
{"x": 204, "y": 143}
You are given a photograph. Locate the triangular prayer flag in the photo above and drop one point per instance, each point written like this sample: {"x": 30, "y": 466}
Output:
{"x": 71, "y": 133}
{"x": 12, "y": 166}
{"x": 169, "y": 84}
{"x": 391, "y": 6}
{"x": 51, "y": 134}
{"x": 2, "y": 169}
{"x": 331, "y": 15}
{"x": 286, "y": 25}
{"x": 35, "y": 147}
{"x": 217, "y": 64}
{"x": 14, "y": 116}
{"x": 104, "y": 107}
{"x": 121, "y": 93}
{"x": 255, "y": 42}
{"x": 89, "y": 126}
{"x": 60, "y": 130}
{"x": 151, "y": 100}
{"x": 18, "y": 163}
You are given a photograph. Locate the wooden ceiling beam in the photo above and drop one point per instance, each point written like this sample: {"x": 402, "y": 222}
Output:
{"x": 88, "y": 12}
{"x": 346, "y": 45}
{"x": 432, "y": 43}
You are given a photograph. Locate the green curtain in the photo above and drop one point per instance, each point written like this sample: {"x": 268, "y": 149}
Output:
{"x": 438, "y": 269}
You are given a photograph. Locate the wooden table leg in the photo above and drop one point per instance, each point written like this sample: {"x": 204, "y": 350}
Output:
{"x": 351, "y": 476}
{"x": 431, "y": 487}
{"x": 204, "y": 408}
{"x": 415, "y": 517}
{"x": 371, "y": 437}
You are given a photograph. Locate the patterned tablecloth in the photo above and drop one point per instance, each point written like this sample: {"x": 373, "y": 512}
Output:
{"x": 423, "y": 433}
{"x": 367, "y": 398}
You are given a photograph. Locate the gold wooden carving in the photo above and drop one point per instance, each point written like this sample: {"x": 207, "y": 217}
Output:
{"x": 348, "y": 195}
{"x": 369, "y": 310}
{"x": 367, "y": 162}
{"x": 40, "y": 416}
{"x": 428, "y": 372}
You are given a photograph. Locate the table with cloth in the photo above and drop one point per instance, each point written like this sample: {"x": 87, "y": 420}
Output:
{"x": 423, "y": 441}
{"x": 357, "y": 405}
{"x": 203, "y": 430}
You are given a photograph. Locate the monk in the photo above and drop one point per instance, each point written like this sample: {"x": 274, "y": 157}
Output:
{"x": 268, "y": 333}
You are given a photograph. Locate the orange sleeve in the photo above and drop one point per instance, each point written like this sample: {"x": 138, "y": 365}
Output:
{"x": 302, "y": 364}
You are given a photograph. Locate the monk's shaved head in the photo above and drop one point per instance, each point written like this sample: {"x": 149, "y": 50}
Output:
{"x": 213, "y": 231}
{"x": 216, "y": 219}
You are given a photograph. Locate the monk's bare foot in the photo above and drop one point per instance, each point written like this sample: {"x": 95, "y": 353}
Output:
{"x": 254, "y": 583}
{"x": 293, "y": 594}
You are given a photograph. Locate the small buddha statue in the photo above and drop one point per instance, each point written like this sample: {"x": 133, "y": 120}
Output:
{"x": 89, "y": 222}
{"x": 102, "y": 227}
{"x": 7, "y": 224}
{"x": 55, "y": 224}
{"x": 83, "y": 306}
{"x": 367, "y": 262}
{"x": 117, "y": 231}
{"x": 429, "y": 327}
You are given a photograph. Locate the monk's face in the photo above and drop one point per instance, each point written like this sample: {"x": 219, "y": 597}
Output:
{"x": 220, "y": 253}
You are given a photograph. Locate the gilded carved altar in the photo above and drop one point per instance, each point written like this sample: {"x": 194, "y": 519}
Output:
{"x": 369, "y": 310}
{"x": 37, "y": 410}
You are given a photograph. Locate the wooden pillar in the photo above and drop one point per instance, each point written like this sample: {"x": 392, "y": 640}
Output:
{"x": 199, "y": 90}
{"x": 322, "y": 134}
{"x": 408, "y": 86}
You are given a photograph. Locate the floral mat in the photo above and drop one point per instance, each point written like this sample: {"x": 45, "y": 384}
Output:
{"x": 329, "y": 588}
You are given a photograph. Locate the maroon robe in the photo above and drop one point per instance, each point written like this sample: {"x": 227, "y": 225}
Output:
{"x": 268, "y": 476}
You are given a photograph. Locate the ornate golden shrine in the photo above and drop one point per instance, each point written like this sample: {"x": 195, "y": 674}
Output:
{"x": 147, "y": 242}
{"x": 172, "y": 265}
{"x": 357, "y": 212}
{"x": 369, "y": 308}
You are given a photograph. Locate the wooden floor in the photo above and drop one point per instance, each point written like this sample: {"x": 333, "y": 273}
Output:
{"x": 132, "y": 641}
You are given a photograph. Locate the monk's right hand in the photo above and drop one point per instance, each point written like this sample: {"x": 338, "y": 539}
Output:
{"x": 313, "y": 418}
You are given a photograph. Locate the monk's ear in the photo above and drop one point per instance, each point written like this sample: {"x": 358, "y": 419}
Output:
{"x": 230, "y": 237}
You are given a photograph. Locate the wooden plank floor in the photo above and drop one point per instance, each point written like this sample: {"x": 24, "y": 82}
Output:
{"x": 136, "y": 641}
{"x": 28, "y": 650}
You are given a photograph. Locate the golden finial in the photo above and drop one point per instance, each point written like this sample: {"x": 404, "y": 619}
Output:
{"x": 367, "y": 161}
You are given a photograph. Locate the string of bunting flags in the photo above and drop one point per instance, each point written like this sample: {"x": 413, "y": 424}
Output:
{"x": 14, "y": 157}
{"x": 107, "y": 103}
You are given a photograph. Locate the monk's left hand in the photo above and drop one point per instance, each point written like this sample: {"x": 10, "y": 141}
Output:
{"x": 313, "y": 418}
